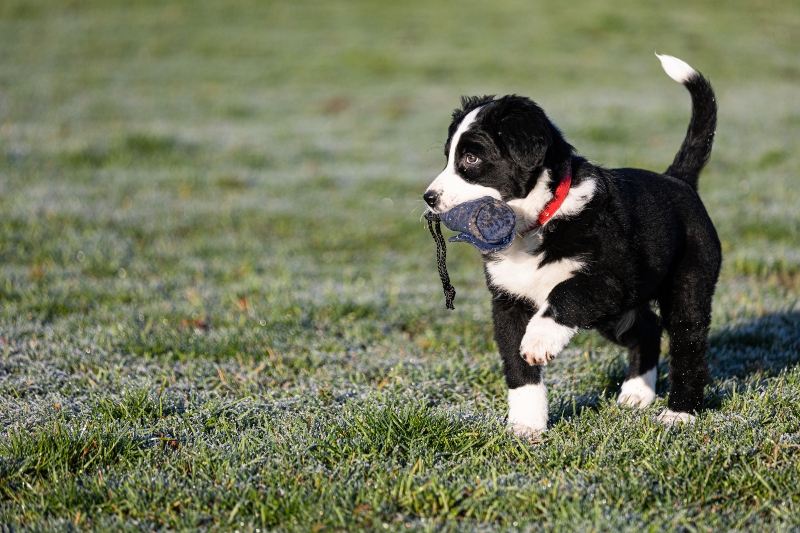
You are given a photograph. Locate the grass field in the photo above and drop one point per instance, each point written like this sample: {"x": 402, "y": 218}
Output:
{"x": 220, "y": 309}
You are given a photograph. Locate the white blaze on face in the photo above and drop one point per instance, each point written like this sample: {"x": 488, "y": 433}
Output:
{"x": 452, "y": 188}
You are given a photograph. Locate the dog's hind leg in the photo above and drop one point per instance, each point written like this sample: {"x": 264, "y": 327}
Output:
{"x": 527, "y": 394}
{"x": 686, "y": 315}
{"x": 638, "y": 330}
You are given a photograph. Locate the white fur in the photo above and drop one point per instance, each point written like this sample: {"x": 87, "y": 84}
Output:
{"x": 639, "y": 391}
{"x": 676, "y": 69}
{"x": 451, "y": 187}
{"x": 673, "y": 418}
{"x": 527, "y": 410}
{"x": 527, "y": 209}
{"x": 521, "y": 274}
{"x": 625, "y": 323}
{"x": 576, "y": 199}
{"x": 544, "y": 339}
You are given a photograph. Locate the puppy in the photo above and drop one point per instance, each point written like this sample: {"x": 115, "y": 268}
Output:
{"x": 595, "y": 248}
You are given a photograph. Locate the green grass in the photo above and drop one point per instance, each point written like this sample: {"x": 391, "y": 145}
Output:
{"x": 220, "y": 309}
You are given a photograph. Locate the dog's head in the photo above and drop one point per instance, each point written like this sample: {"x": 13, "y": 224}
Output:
{"x": 498, "y": 148}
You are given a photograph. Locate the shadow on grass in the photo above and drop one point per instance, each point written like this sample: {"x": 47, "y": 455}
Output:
{"x": 764, "y": 346}
{"x": 605, "y": 382}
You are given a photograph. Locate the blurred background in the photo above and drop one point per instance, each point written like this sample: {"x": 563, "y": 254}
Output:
{"x": 318, "y": 124}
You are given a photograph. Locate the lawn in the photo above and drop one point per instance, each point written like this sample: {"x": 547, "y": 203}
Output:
{"x": 220, "y": 310}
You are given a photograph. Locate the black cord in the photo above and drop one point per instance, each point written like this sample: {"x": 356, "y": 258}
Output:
{"x": 441, "y": 258}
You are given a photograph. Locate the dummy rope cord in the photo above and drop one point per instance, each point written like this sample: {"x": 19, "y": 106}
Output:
{"x": 441, "y": 258}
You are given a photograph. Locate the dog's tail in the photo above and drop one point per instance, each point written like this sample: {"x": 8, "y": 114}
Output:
{"x": 696, "y": 148}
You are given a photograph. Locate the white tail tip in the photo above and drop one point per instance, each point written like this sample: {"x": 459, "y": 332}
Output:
{"x": 676, "y": 69}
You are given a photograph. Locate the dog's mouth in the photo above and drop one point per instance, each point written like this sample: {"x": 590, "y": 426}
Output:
{"x": 430, "y": 214}
{"x": 486, "y": 223}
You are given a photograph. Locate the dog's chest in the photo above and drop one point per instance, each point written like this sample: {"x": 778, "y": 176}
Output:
{"x": 520, "y": 273}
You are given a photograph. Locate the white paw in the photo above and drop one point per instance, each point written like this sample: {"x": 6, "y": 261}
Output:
{"x": 543, "y": 340}
{"x": 525, "y": 432}
{"x": 639, "y": 391}
{"x": 527, "y": 410}
{"x": 673, "y": 418}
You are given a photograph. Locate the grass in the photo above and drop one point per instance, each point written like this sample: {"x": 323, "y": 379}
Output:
{"x": 220, "y": 309}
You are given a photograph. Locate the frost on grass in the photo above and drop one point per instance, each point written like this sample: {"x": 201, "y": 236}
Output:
{"x": 211, "y": 317}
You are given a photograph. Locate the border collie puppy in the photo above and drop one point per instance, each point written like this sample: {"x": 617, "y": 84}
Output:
{"x": 595, "y": 248}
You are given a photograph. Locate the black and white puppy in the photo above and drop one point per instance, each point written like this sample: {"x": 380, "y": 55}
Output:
{"x": 595, "y": 248}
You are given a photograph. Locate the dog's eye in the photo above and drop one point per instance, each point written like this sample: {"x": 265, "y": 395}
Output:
{"x": 471, "y": 159}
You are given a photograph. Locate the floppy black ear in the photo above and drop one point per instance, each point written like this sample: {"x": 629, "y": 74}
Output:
{"x": 525, "y": 133}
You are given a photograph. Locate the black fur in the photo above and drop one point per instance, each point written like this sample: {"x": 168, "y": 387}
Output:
{"x": 644, "y": 237}
{"x": 696, "y": 148}
{"x": 511, "y": 316}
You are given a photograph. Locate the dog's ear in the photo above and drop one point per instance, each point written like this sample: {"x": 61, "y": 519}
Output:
{"x": 523, "y": 131}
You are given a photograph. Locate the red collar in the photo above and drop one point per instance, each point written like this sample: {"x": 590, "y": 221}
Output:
{"x": 553, "y": 205}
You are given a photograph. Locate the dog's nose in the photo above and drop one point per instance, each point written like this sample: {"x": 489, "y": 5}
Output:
{"x": 431, "y": 197}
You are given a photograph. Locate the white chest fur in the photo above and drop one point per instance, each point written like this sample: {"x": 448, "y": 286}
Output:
{"x": 522, "y": 274}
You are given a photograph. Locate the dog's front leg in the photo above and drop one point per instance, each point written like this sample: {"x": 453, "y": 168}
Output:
{"x": 572, "y": 304}
{"x": 527, "y": 394}
{"x": 544, "y": 337}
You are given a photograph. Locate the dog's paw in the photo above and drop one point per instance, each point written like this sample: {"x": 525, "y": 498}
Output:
{"x": 639, "y": 391}
{"x": 637, "y": 399}
{"x": 673, "y": 418}
{"x": 526, "y": 432}
{"x": 543, "y": 340}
